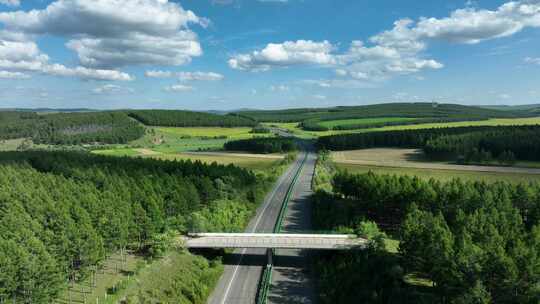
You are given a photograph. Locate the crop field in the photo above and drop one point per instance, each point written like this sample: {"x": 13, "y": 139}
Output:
{"x": 444, "y": 175}
{"x": 363, "y": 121}
{"x": 248, "y": 161}
{"x": 294, "y": 127}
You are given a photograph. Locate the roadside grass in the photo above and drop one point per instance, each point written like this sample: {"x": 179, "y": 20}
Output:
{"x": 137, "y": 278}
{"x": 114, "y": 271}
{"x": 444, "y": 175}
{"x": 363, "y": 121}
{"x": 295, "y": 128}
{"x": 10, "y": 144}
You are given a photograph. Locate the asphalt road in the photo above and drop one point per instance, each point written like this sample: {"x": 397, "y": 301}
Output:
{"x": 239, "y": 282}
{"x": 291, "y": 280}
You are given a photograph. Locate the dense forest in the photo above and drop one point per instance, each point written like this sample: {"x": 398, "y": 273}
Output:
{"x": 473, "y": 242}
{"x": 468, "y": 144}
{"x": 419, "y": 110}
{"x": 70, "y": 128}
{"x": 263, "y": 145}
{"x": 61, "y": 213}
{"x": 176, "y": 118}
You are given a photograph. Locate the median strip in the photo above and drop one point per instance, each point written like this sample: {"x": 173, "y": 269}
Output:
{"x": 266, "y": 277}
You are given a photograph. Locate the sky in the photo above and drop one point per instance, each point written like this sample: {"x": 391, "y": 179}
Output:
{"x": 266, "y": 54}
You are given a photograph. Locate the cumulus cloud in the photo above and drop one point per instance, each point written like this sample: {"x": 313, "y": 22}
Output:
{"x": 301, "y": 52}
{"x": 18, "y": 55}
{"x": 13, "y": 75}
{"x": 186, "y": 76}
{"x": 10, "y": 2}
{"x": 115, "y": 33}
{"x": 400, "y": 50}
{"x": 532, "y": 60}
{"x": 178, "y": 88}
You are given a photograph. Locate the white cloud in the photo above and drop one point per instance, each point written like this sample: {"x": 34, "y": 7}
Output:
{"x": 186, "y": 76}
{"x": 398, "y": 51}
{"x": 504, "y": 96}
{"x": 158, "y": 74}
{"x": 19, "y": 55}
{"x": 178, "y": 88}
{"x": 10, "y": 2}
{"x": 13, "y": 75}
{"x": 199, "y": 76}
{"x": 111, "y": 88}
{"x": 85, "y": 73}
{"x": 535, "y": 60}
{"x": 115, "y": 33}
{"x": 279, "y": 88}
{"x": 320, "y": 97}
{"x": 301, "y": 52}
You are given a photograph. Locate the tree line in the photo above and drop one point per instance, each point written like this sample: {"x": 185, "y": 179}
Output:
{"x": 177, "y": 118}
{"x": 418, "y": 110}
{"x": 474, "y": 242}
{"x": 70, "y": 128}
{"x": 471, "y": 144}
{"x": 62, "y": 213}
{"x": 263, "y": 145}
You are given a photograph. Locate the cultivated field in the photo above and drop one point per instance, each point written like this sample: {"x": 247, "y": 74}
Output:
{"x": 294, "y": 127}
{"x": 363, "y": 121}
{"x": 413, "y": 162}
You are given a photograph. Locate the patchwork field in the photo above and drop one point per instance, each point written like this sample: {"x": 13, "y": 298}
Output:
{"x": 295, "y": 128}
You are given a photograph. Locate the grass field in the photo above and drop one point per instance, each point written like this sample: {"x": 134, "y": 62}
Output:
{"x": 295, "y": 129}
{"x": 10, "y": 144}
{"x": 363, "y": 121}
{"x": 115, "y": 269}
{"x": 165, "y": 140}
{"x": 444, "y": 175}
{"x": 254, "y": 162}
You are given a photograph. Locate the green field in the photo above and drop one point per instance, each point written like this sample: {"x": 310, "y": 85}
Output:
{"x": 444, "y": 175}
{"x": 294, "y": 127}
{"x": 177, "y": 140}
{"x": 363, "y": 121}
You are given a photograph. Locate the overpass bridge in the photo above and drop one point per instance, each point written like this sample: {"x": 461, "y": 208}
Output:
{"x": 275, "y": 241}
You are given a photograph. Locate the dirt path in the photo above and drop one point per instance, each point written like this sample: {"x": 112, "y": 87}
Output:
{"x": 413, "y": 158}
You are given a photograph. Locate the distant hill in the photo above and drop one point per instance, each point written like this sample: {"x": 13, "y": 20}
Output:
{"x": 415, "y": 110}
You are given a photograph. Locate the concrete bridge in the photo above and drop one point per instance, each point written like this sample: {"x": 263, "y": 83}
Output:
{"x": 275, "y": 241}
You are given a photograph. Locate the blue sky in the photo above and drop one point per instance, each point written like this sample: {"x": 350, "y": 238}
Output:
{"x": 230, "y": 54}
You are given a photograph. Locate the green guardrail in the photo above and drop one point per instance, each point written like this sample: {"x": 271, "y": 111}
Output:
{"x": 266, "y": 277}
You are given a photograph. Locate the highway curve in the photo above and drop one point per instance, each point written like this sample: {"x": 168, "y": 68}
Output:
{"x": 240, "y": 280}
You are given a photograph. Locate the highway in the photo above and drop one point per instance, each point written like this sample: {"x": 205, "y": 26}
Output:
{"x": 239, "y": 282}
{"x": 291, "y": 280}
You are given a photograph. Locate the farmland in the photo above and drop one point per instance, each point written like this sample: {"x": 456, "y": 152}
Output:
{"x": 364, "y": 121}
{"x": 294, "y": 127}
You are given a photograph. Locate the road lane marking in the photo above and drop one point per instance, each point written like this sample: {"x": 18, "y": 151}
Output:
{"x": 252, "y": 230}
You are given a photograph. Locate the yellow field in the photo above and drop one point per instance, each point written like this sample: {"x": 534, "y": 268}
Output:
{"x": 232, "y": 133}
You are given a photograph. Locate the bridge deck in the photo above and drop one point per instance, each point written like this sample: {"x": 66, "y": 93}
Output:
{"x": 276, "y": 241}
